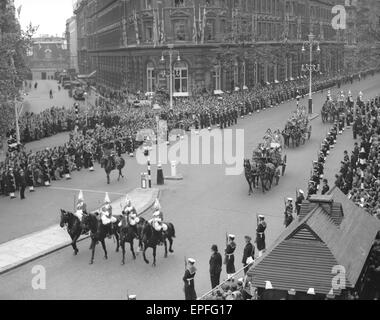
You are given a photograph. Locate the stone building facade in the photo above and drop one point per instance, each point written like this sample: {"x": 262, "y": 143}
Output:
{"x": 48, "y": 55}
{"x": 124, "y": 42}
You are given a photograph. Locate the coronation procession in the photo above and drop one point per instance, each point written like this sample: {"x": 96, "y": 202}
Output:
{"x": 125, "y": 154}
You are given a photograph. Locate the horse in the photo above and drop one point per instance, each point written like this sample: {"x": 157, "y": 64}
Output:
{"x": 74, "y": 228}
{"x": 267, "y": 172}
{"x": 151, "y": 238}
{"x": 99, "y": 232}
{"x": 128, "y": 234}
{"x": 109, "y": 163}
{"x": 251, "y": 175}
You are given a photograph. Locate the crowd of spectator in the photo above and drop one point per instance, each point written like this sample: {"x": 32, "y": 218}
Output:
{"x": 359, "y": 176}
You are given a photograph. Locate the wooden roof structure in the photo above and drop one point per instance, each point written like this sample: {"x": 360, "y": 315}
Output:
{"x": 330, "y": 231}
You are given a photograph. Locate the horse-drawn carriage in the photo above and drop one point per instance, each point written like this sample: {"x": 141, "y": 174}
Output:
{"x": 335, "y": 107}
{"x": 297, "y": 128}
{"x": 266, "y": 161}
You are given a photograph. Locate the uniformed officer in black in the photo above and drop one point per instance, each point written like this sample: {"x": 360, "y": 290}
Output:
{"x": 325, "y": 187}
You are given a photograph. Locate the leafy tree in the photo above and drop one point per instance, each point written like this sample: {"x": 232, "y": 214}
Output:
{"x": 14, "y": 44}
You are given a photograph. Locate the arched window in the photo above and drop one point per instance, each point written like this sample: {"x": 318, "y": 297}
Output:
{"x": 150, "y": 77}
{"x": 181, "y": 77}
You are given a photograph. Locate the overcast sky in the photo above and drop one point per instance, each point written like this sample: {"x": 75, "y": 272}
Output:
{"x": 50, "y": 15}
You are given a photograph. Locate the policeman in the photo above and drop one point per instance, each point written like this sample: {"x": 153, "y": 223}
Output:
{"x": 288, "y": 212}
{"x": 325, "y": 187}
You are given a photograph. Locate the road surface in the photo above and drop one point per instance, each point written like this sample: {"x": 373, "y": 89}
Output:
{"x": 204, "y": 206}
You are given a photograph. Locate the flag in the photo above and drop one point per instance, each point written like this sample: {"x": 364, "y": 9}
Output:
{"x": 203, "y": 25}
{"x": 136, "y": 26}
{"x": 161, "y": 27}
{"x": 155, "y": 28}
{"x": 195, "y": 29}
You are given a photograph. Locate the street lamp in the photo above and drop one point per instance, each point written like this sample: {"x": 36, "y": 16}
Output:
{"x": 86, "y": 102}
{"x": 170, "y": 53}
{"x": 310, "y": 67}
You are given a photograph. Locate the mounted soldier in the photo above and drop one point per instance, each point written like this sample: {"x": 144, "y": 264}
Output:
{"x": 158, "y": 218}
{"x": 81, "y": 207}
{"x": 106, "y": 215}
{"x": 130, "y": 212}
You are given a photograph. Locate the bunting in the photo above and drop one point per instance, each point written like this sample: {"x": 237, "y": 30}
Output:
{"x": 155, "y": 28}
{"x": 136, "y": 26}
{"x": 195, "y": 29}
{"x": 203, "y": 26}
{"x": 162, "y": 28}
{"x": 299, "y": 28}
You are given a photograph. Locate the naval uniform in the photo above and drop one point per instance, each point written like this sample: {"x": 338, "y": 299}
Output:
{"x": 230, "y": 258}
{"x": 188, "y": 280}
{"x": 260, "y": 236}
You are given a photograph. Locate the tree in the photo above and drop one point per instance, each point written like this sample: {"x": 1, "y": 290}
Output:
{"x": 366, "y": 53}
{"x": 14, "y": 44}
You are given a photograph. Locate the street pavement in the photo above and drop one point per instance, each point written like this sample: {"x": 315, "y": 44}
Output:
{"x": 204, "y": 206}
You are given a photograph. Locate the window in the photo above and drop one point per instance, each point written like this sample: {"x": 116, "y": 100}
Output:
{"x": 180, "y": 77}
{"x": 148, "y": 4}
{"x": 179, "y": 3}
{"x": 180, "y": 30}
{"x": 216, "y": 74}
{"x": 151, "y": 78}
{"x": 148, "y": 33}
{"x": 210, "y": 30}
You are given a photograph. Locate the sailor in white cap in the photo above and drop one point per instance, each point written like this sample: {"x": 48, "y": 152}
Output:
{"x": 81, "y": 206}
{"x": 188, "y": 280}
{"x": 288, "y": 214}
{"x": 229, "y": 256}
{"x": 106, "y": 215}
{"x": 260, "y": 235}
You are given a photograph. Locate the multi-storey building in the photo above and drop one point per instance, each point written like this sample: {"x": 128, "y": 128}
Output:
{"x": 72, "y": 42}
{"x": 48, "y": 55}
{"x": 222, "y": 44}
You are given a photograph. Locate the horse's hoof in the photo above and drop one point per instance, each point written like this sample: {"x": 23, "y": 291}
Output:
{"x": 171, "y": 251}
{"x": 123, "y": 263}
{"x": 91, "y": 262}
{"x": 153, "y": 265}
{"x": 165, "y": 256}
{"x": 147, "y": 261}
{"x": 117, "y": 250}
{"x": 105, "y": 257}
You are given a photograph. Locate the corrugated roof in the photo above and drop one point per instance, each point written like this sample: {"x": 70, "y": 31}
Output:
{"x": 322, "y": 237}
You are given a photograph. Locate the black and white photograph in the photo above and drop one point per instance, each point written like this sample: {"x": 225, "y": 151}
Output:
{"x": 203, "y": 151}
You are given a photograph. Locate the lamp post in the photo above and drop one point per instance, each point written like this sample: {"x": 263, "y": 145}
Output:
{"x": 170, "y": 53}
{"x": 310, "y": 67}
{"x": 86, "y": 103}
